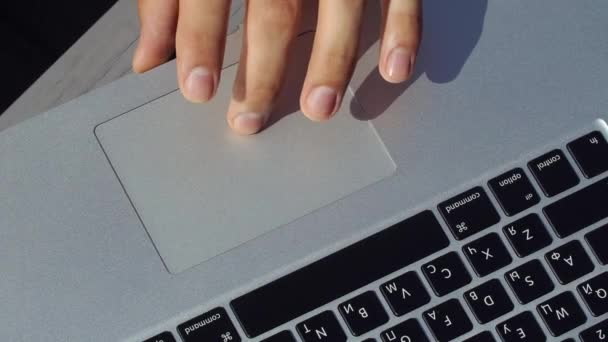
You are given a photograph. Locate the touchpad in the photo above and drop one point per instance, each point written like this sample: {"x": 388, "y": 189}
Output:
{"x": 202, "y": 190}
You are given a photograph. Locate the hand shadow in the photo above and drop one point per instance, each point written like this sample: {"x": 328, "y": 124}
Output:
{"x": 451, "y": 30}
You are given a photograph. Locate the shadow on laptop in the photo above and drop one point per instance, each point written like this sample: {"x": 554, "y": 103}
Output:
{"x": 451, "y": 30}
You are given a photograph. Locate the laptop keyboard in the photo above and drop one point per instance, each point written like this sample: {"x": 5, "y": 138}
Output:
{"x": 434, "y": 292}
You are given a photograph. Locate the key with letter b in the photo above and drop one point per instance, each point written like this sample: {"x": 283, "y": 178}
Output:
{"x": 363, "y": 313}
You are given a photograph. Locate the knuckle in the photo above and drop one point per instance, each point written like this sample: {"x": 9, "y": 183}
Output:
{"x": 263, "y": 91}
{"x": 339, "y": 59}
{"x": 279, "y": 14}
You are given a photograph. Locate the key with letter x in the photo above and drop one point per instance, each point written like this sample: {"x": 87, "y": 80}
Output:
{"x": 487, "y": 254}
{"x": 363, "y": 313}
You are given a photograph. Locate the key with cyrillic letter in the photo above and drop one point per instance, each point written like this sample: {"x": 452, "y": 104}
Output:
{"x": 339, "y": 273}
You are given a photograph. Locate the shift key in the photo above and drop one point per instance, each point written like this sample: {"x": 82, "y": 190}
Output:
{"x": 469, "y": 213}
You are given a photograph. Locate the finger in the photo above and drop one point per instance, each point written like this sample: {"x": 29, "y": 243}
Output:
{"x": 269, "y": 30}
{"x": 400, "y": 39}
{"x": 200, "y": 42}
{"x": 333, "y": 57}
{"x": 158, "y": 20}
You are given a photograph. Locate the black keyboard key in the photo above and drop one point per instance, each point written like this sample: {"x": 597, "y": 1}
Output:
{"x": 213, "y": 326}
{"x": 569, "y": 340}
{"x": 579, "y": 210}
{"x": 590, "y": 153}
{"x": 322, "y": 327}
{"x": 447, "y": 321}
{"x": 446, "y": 274}
{"x": 553, "y": 172}
{"x": 521, "y": 328}
{"x": 527, "y": 235}
{"x": 164, "y": 337}
{"x": 597, "y": 333}
{"x": 561, "y": 313}
{"x": 598, "y": 240}
{"x": 369, "y": 340}
{"x": 569, "y": 262}
{"x": 363, "y": 313}
{"x": 339, "y": 274}
{"x": 487, "y": 254}
{"x": 469, "y": 213}
{"x": 283, "y": 336}
{"x": 405, "y": 293}
{"x": 514, "y": 191}
{"x": 595, "y": 294}
{"x": 407, "y": 331}
{"x": 529, "y": 281}
{"x": 485, "y": 336}
{"x": 488, "y": 301}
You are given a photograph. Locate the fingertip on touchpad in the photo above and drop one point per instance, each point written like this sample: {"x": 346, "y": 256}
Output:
{"x": 201, "y": 190}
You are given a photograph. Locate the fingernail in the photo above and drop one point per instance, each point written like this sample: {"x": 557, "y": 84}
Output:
{"x": 248, "y": 123}
{"x": 400, "y": 64}
{"x": 322, "y": 102}
{"x": 199, "y": 85}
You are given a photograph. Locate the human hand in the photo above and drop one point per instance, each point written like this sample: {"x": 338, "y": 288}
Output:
{"x": 196, "y": 31}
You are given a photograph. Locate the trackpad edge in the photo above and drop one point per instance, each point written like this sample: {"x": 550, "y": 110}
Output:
{"x": 202, "y": 190}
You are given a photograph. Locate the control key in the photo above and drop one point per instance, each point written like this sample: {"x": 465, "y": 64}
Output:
{"x": 553, "y": 172}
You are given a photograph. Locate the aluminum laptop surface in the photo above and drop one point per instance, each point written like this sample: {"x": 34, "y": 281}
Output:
{"x": 497, "y": 84}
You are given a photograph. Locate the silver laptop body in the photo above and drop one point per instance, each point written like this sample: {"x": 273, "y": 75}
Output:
{"x": 129, "y": 214}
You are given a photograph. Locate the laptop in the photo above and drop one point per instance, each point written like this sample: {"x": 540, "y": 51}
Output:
{"x": 470, "y": 204}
